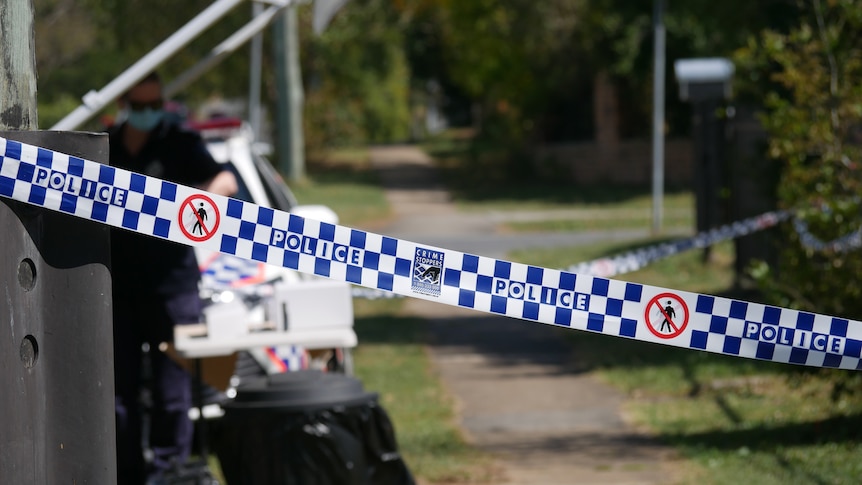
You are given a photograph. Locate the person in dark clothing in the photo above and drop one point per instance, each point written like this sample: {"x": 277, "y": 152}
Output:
{"x": 155, "y": 286}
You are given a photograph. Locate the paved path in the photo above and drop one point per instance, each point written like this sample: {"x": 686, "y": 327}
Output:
{"x": 519, "y": 388}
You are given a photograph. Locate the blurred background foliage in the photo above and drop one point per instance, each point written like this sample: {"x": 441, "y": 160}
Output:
{"x": 809, "y": 81}
{"x": 520, "y": 73}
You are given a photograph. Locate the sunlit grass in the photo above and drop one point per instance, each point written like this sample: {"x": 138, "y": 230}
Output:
{"x": 342, "y": 180}
{"x": 739, "y": 420}
{"x": 483, "y": 176}
{"x": 602, "y": 220}
{"x": 539, "y": 195}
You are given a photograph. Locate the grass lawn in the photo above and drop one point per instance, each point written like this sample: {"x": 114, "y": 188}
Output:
{"x": 738, "y": 420}
{"x": 481, "y": 176}
{"x": 603, "y": 220}
{"x": 342, "y": 180}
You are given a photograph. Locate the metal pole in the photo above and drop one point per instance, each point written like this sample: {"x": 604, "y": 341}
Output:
{"x": 96, "y": 101}
{"x": 222, "y": 50}
{"x": 290, "y": 142}
{"x": 658, "y": 115}
{"x": 254, "y": 77}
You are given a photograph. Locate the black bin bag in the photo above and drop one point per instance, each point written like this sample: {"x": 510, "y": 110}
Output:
{"x": 308, "y": 428}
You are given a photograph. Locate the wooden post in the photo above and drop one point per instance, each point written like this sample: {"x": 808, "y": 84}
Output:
{"x": 56, "y": 353}
{"x": 17, "y": 66}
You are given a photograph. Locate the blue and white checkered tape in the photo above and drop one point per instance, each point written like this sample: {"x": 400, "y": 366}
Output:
{"x": 223, "y": 271}
{"x": 841, "y": 244}
{"x": 630, "y": 261}
{"x": 162, "y": 209}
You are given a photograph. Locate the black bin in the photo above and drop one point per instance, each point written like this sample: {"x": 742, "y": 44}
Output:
{"x": 308, "y": 428}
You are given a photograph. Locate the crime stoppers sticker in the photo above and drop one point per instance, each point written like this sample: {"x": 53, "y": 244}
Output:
{"x": 199, "y": 217}
{"x": 666, "y": 315}
{"x": 427, "y": 270}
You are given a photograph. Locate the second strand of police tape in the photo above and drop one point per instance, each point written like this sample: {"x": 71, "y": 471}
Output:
{"x": 157, "y": 208}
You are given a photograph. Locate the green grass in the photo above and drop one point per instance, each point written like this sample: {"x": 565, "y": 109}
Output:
{"x": 483, "y": 175}
{"x": 684, "y": 271}
{"x": 391, "y": 360}
{"x": 601, "y": 220}
{"x": 553, "y": 195}
{"x": 342, "y": 180}
{"x": 766, "y": 431}
{"x": 738, "y": 420}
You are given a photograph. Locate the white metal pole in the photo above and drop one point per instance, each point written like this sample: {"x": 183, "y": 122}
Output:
{"x": 96, "y": 101}
{"x": 222, "y": 50}
{"x": 658, "y": 116}
{"x": 254, "y": 77}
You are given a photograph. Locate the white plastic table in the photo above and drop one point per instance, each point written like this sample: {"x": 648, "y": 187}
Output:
{"x": 192, "y": 341}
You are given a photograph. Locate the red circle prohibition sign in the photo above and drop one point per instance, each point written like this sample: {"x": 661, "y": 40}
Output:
{"x": 199, "y": 223}
{"x": 673, "y": 315}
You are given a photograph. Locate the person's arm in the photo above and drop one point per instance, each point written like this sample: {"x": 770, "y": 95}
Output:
{"x": 198, "y": 164}
{"x": 224, "y": 183}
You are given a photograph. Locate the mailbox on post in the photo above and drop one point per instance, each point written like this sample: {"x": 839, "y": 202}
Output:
{"x": 704, "y": 79}
{"x": 705, "y": 83}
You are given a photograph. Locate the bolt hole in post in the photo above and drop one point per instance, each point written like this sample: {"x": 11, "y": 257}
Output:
{"x": 29, "y": 351}
{"x": 27, "y": 274}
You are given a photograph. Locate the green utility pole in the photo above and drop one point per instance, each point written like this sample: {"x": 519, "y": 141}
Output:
{"x": 289, "y": 134}
{"x": 56, "y": 353}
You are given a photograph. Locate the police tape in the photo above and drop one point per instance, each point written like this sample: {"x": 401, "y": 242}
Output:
{"x": 634, "y": 260}
{"x": 842, "y": 244}
{"x": 162, "y": 209}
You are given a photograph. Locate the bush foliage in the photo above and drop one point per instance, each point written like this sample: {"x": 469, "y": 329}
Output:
{"x": 813, "y": 114}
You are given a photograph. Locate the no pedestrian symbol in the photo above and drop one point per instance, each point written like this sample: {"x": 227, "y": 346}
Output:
{"x": 666, "y": 315}
{"x": 199, "y": 217}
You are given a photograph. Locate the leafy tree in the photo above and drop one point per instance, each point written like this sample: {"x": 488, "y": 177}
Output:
{"x": 813, "y": 113}
{"x": 530, "y": 66}
{"x": 525, "y": 69}
{"x": 356, "y": 74}
{"x": 357, "y": 77}
{"x": 84, "y": 45}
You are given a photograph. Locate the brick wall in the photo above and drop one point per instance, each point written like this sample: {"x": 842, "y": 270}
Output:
{"x": 625, "y": 162}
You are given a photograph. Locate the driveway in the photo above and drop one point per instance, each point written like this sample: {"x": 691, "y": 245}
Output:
{"x": 522, "y": 393}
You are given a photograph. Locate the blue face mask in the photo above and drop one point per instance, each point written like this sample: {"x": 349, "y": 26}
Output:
{"x": 146, "y": 119}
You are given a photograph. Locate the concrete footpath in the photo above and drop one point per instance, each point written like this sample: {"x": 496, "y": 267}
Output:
{"x": 521, "y": 392}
